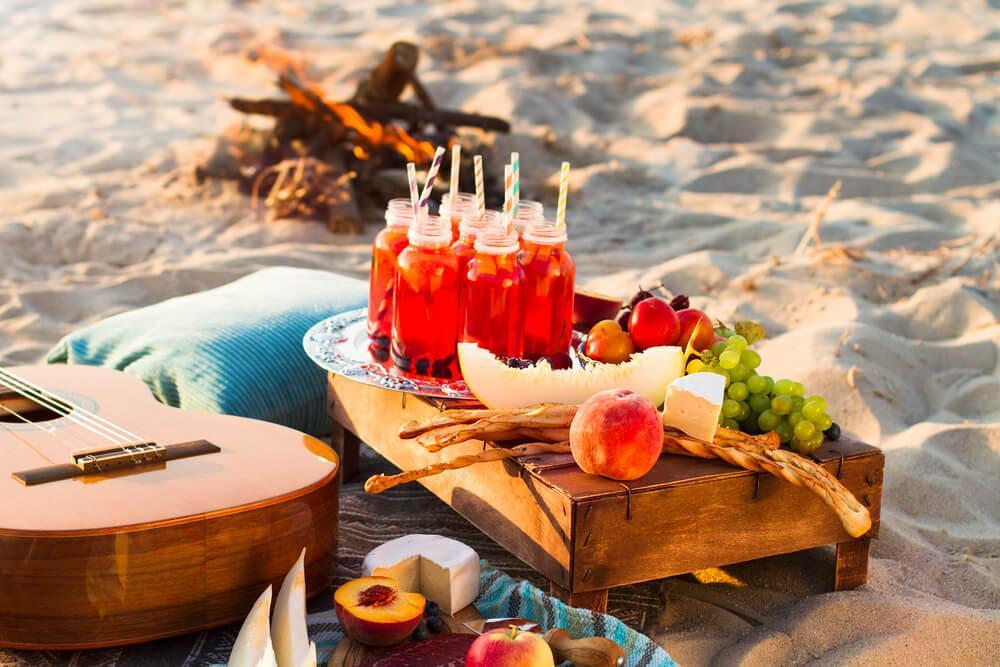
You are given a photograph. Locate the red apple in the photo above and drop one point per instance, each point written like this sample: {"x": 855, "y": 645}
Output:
{"x": 374, "y": 611}
{"x": 616, "y": 434}
{"x": 689, "y": 319}
{"x": 509, "y": 647}
{"x": 653, "y": 323}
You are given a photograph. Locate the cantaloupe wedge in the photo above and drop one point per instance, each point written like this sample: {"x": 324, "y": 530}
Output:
{"x": 499, "y": 386}
{"x": 253, "y": 644}
{"x": 288, "y": 628}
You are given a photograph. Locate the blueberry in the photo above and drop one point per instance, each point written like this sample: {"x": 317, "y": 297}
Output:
{"x": 432, "y": 609}
{"x": 435, "y": 624}
{"x": 832, "y": 433}
{"x": 379, "y": 354}
{"x": 421, "y": 632}
{"x": 423, "y": 365}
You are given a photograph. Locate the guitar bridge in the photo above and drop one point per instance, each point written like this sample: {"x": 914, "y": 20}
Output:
{"x": 100, "y": 461}
{"x": 126, "y": 456}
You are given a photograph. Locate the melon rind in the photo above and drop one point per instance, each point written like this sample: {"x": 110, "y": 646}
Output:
{"x": 499, "y": 386}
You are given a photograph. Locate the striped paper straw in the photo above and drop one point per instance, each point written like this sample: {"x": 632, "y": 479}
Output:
{"x": 456, "y": 166}
{"x": 480, "y": 187}
{"x": 515, "y": 168}
{"x": 508, "y": 200}
{"x": 563, "y": 194}
{"x": 411, "y": 176}
{"x": 432, "y": 173}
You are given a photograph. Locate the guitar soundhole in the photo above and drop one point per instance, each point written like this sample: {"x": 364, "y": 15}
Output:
{"x": 17, "y": 409}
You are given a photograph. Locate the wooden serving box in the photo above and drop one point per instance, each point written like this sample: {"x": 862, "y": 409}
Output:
{"x": 587, "y": 534}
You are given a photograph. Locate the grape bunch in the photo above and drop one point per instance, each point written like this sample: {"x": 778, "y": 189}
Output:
{"x": 758, "y": 404}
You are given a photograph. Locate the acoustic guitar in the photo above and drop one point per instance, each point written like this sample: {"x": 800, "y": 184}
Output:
{"x": 123, "y": 520}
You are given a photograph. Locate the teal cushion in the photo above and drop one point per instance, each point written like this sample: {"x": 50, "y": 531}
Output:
{"x": 236, "y": 349}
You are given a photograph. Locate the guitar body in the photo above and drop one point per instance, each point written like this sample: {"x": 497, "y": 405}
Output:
{"x": 158, "y": 550}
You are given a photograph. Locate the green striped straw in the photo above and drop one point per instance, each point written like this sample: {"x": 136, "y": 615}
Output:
{"x": 563, "y": 195}
{"x": 515, "y": 173}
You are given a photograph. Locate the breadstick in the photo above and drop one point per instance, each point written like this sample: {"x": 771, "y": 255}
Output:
{"x": 543, "y": 414}
{"x": 379, "y": 483}
{"x": 493, "y": 431}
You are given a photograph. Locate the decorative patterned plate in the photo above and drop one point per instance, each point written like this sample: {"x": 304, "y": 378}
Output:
{"x": 339, "y": 344}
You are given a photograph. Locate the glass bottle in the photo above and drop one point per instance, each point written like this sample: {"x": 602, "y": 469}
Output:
{"x": 493, "y": 296}
{"x": 549, "y": 282}
{"x": 454, "y": 212}
{"x": 386, "y": 247}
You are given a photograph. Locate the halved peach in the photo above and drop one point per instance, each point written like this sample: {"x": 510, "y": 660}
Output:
{"x": 374, "y": 611}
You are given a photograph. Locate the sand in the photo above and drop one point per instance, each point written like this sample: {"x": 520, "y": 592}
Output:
{"x": 703, "y": 137}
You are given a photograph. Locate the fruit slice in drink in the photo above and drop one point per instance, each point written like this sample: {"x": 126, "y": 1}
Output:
{"x": 386, "y": 247}
{"x": 493, "y": 293}
{"x": 549, "y": 278}
{"x": 425, "y": 308}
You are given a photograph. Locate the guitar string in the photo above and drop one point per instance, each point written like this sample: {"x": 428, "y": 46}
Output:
{"x": 85, "y": 418}
{"x": 61, "y": 440}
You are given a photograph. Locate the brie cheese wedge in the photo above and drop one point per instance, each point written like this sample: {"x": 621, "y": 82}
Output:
{"x": 693, "y": 404}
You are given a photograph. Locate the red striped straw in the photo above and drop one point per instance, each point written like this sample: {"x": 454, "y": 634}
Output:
{"x": 411, "y": 176}
{"x": 480, "y": 187}
{"x": 432, "y": 173}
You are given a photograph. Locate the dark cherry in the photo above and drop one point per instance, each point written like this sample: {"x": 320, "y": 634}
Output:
{"x": 560, "y": 361}
{"x": 680, "y": 302}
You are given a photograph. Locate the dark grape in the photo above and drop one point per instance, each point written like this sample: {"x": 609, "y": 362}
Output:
{"x": 680, "y": 302}
{"x": 432, "y": 609}
{"x": 622, "y": 318}
{"x": 832, "y": 433}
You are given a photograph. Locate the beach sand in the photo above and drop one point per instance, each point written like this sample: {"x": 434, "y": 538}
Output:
{"x": 703, "y": 138}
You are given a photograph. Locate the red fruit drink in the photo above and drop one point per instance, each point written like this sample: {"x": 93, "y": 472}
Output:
{"x": 549, "y": 277}
{"x": 493, "y": 293}
{"x": 385, "y": 252}
{"x": 425, "y": 308}
{"x": 455, "y": 212}
{"x": 464, "y": 248}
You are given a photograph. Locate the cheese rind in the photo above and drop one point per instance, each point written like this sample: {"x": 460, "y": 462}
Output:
{"x": 443, "y": 570}
{"x": 693, "y": 404}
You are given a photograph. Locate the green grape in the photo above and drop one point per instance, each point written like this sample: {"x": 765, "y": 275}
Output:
{"x": 750, "y": 359}
{"x": 784, "y": 431}
{"x": 817, "y": 399}
{"x": 767, "y": 421}
{"x": 768, "y": 384}
{"x": 736, "y": 342}
{"x": 817, "y": 439}
{"x": 739, "y": 372}
{"x": 804, "y": 430}
{"x": 781, "y": 405}
{"x": 738, "y": 391}
{"x": 756, "y": 384}
{"x": 730, "y": 408}
{"x": 822, "y": 423}
{"x": 797, "y": 402}
{"x": 731, "y": 423}
{"x": 798, "y": 389}
{"x": 695, "y": 365}
{"x": 812, "y": 410}
{"x": 729, "y": 358}
{"x": 783, "y": 387}
{"x": 795, "y": 417}
{"x": 759, "y": 403}
{"x": 721, "y": 419}
{"x": 719, "y": 348}
{"x": 795, "y": 444}
{"x": 744, "y": 411}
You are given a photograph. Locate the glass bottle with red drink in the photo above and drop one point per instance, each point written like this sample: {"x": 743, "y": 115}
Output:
{"x": 493, "y": 298}
{"x": 549, "y": 281}
{"x": 529, "y": 213}
{"x": 425, "y": 308}
{"x": 464, "y": 247}
{"x": 386, "y": 247}
{"x": 455, "y": 211}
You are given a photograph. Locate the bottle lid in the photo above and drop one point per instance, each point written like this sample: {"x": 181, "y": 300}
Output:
{"x": 399, "y": 213}
{"x": 545, "y": 232}
{"x": 472, "y": 224}
{"x": 429, "y": 231}
{"x": 497, "y": 240}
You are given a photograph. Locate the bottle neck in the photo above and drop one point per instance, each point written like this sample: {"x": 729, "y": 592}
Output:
{"x": 398, "y": 213}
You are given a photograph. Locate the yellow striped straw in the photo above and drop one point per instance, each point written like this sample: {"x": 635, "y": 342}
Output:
{"x": 480, "y": 187}
{"x": 563, "y": 195}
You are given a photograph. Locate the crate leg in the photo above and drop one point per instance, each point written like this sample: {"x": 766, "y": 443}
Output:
{"x": 347, "y": 445}
{"x": 851, "y": 569}
{"x": 593, "y": 600}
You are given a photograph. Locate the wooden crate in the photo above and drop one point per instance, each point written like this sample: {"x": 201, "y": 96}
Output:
{"x": 587, "y": 534}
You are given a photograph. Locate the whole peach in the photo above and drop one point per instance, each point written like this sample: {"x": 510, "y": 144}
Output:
{"x": 616, "y": 434}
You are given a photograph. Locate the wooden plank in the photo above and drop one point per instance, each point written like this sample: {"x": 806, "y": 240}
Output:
{"x": 528, "y": 518}
{"x": 851, "y": 568}
{"x": 723, "y": 520}
{"x": 592, "y": 600}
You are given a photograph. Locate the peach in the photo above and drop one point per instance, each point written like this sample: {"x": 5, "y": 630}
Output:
{"x": 374, "y": 611}
{"x": 509, "y": 647}
{"x": 616, "y": 434}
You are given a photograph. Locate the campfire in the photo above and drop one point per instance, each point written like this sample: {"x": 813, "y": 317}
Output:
{"x": 320, "y": 158}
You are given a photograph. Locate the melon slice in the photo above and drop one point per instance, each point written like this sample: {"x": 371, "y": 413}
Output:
{"x": 499, "y": 386}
